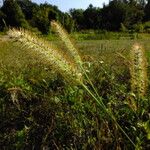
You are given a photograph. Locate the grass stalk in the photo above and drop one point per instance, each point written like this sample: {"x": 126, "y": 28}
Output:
{"x": 138, "y": 70}
{"x": 47, "y": 52}
{"x": 54, "y": 58}
{"x": 70, "y": 46}
{"x": 68, "y": 43}
{"x": 108, "y": 112}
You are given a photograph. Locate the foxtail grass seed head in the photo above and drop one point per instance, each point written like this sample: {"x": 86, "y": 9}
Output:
{"x": 54, "y": 58}
{"x": 68, "y": 43}
{"x": 138, "y": 70}
{"x": 47, "y": 52}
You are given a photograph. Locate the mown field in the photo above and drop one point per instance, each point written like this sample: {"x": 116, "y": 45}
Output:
{"x": 40, "y": 109}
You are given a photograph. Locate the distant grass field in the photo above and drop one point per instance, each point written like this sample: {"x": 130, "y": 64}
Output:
{"x": 39, "y": 109}
{"x": 102, "y": 49}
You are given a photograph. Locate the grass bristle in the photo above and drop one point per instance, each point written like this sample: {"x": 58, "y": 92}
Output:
{"x": 47, "y": 52}
{"x": 138, "y": 70}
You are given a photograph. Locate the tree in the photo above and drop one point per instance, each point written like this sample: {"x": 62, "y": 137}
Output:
{"x": 40, "y": 19}
{"x": 78, "y": 17}
{"x": 134, "y": 14}
{"x": 14, "y": 14}
{"x": 142, "y": 3}
{"x": 147, "y": 11}
{"x": 92, "y": 17}
{"x": 42, "y": 16}
{"x": 27, "y": 8}
{"x": 68, "y": 22}
{"x": 2, "y": 19}
{"x": 113, "y": 15}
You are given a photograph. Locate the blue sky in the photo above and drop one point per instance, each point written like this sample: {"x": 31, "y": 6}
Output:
{"x": 65, "y": 5}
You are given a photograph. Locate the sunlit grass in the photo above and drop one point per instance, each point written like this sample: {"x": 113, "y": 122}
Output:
{"x": 73, "y": 107}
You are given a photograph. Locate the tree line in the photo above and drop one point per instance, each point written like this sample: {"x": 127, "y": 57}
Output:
{"x": 27, "y": 14}
{"x": 118, "y": 15}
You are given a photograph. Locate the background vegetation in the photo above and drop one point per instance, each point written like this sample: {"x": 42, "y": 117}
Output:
{"x": 39, "y": 109}
{"x": 118, "y": 15}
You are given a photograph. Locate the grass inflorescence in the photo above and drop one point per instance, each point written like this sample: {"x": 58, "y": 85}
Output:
{"x": 91, "y": 112}
{"x": 68, "y": 43}
{"x": 138, "y": 70}
{"x": 54, "y": 58}
{"x": 47, "y": 52}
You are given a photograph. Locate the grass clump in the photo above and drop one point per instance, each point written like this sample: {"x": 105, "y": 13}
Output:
{"x": 47, "y": 112}
{"x": 50, "y": 54}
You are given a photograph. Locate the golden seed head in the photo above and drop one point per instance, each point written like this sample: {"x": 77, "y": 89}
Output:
{"x": 68, "y": 43}
{"x": 138, "y": 70}
{"x": 46, "y": 52}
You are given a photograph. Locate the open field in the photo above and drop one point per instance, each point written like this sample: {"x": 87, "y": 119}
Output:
{"x": 40, "y": 109}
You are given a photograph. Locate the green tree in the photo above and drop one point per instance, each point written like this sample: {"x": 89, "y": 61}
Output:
{"x": 147, "y": 11}
{"x": 92, "y": 17}
{"x": 2, "y": 19}
{"x": 78, "y": 17}
{"x": 14, "y": 14}
{"x": 134, "y": 14}
{"x": 68, "y": 23}
{"x": 113, "y": 15}
{"x": 42, "y": 16}
{"x": 27, "y": 8}
{"x": 40, "y": 20}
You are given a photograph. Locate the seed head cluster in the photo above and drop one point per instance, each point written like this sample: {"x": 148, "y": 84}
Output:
{"x": 138, "y": 70}
{"x": 68, "y": 43}
{"x": 47, "y": 52}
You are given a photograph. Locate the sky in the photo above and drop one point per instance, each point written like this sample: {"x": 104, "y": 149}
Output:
{"x": 65, "y": 5}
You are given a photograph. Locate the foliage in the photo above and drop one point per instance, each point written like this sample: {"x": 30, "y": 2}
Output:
{"x": 14, "y": 14}
{"x": 147, "y": 27}
{"x": 132, "y": 14}
{"x": 111, "y": 16}
{"x": 147, "y": 11}
{"x": 77, "y": 15}
{"x": 2, "y": 18}
{"x": 39, "y": 109}
{"x": 27, "y": 8}
{"x": 40, "y": 20}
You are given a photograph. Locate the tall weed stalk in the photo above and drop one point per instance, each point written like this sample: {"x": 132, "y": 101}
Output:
{"x": 62, "y": 65}
{"x": 47, "y": 53}
{"x": 138, "y": 70}
{"x": 70, "y": 46}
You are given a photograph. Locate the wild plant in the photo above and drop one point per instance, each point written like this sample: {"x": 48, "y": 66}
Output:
{"x": 71, "y": 71}
{"x": 74, "y": 52}
{"x": 47, "y": 53}
{"x": 68, "y": 43}
{"x": 138, "y": 70}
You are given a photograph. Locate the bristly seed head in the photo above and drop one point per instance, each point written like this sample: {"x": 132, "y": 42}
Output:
{"x": 46, "y": 52}
{"x": 138, "y": 70}
{"x": 68, "y": 43}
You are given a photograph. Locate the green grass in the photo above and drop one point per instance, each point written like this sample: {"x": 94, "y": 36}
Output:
{"x": 38, "y": 108}
{"x": 104, "y": 35}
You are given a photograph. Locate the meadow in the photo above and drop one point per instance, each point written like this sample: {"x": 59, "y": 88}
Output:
{"x": 40, "y": 108}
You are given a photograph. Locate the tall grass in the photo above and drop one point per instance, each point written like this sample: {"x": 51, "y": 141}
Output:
{"x": 68, "y": 43}
{"x": 46, "y": 52}
{"x": 53, "y": 114}
{"x": 53, "y": 57}
{"x": 138, "y": 70}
